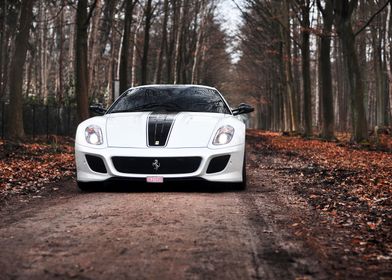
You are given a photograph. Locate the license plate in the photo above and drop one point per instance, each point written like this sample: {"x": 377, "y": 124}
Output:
{"x": 154, "y": 179}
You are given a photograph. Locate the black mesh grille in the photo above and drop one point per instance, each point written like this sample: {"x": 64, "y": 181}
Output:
{"x": 96, "y": 164}
{"x": 217, "y": 164}
{"x": 159, "y": 165}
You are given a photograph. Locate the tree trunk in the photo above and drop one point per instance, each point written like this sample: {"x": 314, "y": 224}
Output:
{"x": 292, "y": 121}
{"x": 344, "y": 10}
{"x": 388, "y": 63}
{"x": 381, "y": 96}
{"x": 199, "y": 43}
{"x": 178, "y": 47}
{"x": 124, "y": 71}
{"x": 81, "y": 64}
{"x": 388, "y": 58}
{"x": 306, "y": 68}
{"x": 70, "y": 66}
{"x": 134, "y": 51}
{"x": 170, "y": 50}
{"x": 110, "y": 73}
{"x": 60, "y": 72}
{"x": 93, "y": 46}
{"x": 43, "y": 54}
{"x": 107, "y": 28}
{"x": 107, "y": 22}
{"x": 162, "y": 48}
{"x": 328, "y": 117}
{"x": 14, "y": 125}
{"x": 3, "y": 45}
{"x": 146, "y": 44}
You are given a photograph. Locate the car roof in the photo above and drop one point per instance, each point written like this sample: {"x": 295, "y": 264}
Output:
{"x": 172, "y": 86}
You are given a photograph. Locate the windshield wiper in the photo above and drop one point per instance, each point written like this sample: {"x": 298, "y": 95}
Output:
{"x": 137, "y": 108}
{"x": 147, "y": 107}
{"x": 172, "y": 106}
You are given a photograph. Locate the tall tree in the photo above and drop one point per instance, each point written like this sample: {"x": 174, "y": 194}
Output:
{"x": 60, "y": 71}
{"x": 343, "y": 11}
{"x": 81, "y": 56}
{"x": 135, "y": 47}
{"x": 8, "y": 24}
{"x": 14, "y": 125}
{"x": 328, "y": 117}
{"x": 163, "y": 45}
{"x": 305, "y": 6}
{"x": 388, "y": 54}
{"x": 148, "y": 13}
{"x": 199, "y": 42}
{"x": 178, "y": 44}
{"x": 290, "y": 111}
{"x": 93, "y": 46}
{"x": 124, "y": 69}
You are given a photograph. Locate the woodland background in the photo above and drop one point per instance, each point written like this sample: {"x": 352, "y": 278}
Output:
{"x": 314, "y": 67}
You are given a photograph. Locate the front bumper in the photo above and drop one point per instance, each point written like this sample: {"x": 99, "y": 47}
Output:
{"x": 231, "y": 173}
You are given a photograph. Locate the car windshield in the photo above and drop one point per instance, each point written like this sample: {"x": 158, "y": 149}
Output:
{"x": 170, "y": 99}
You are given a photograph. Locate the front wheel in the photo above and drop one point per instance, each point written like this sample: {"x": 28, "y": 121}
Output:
{"x": 242, "y": 185}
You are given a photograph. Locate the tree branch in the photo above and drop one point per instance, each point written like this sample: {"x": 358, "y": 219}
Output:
{"x": 372, "y": 17}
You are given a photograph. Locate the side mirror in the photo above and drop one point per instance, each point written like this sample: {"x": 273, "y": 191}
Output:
{"x": 243, "y": 109}
{"x": 97, "y": 109}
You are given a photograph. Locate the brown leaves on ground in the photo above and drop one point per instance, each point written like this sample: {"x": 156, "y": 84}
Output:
{"x": 26, "y": 168}
{"x": 350, "y": 188}
{"x": 367, "y": 172}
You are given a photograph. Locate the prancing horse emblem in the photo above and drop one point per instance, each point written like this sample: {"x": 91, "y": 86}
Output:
{"x": 156, "y": 165}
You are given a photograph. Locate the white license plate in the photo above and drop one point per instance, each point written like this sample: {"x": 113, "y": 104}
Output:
{"x": 154, "y": 179}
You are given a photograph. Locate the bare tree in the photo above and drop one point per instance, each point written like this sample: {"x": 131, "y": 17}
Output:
{"x": 199, "y": 42}
{"x": 178, "y": 45}
{"x": 124, "y": 69}
{"x": 305, "y": 6}
{"x": 290, "y": 110}
{"x": 328, "y": 120}
{"x": 163, "y": 45}
{"x": 81, "y": 56}
{"x": 93, "y": 45}
{"x": 148, "y": 13}
{"x": 14, "y": 125}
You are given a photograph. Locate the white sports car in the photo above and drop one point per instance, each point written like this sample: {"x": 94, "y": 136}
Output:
{"x": 160, "y": 133}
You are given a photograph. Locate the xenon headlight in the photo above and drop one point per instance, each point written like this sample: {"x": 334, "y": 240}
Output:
{"x": 223, "y": 135}
{"x": 93, "y": 134}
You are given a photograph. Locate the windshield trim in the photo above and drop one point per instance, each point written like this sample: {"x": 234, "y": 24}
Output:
{"x": 225, "y": 104}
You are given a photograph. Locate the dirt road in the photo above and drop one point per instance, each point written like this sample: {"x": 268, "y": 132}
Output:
{"x": 161, "y": 232}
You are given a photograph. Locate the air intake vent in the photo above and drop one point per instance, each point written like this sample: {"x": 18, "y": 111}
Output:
{"x": 96, "y": 164}
{"x": 158, "y": 165}
{"x": 218, "y": 164}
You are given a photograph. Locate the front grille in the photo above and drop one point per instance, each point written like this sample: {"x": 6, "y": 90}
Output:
{"x": 158, "y": 165}
{"x": 217, "y": 164}
{"x": 96, "y": 164}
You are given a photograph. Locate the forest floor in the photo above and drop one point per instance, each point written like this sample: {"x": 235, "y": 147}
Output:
{"x": 312, "y": 210}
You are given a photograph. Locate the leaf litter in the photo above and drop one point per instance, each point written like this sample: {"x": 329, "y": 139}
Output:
{"x": 349, "y": 187}
{"x": 27, "y": 168}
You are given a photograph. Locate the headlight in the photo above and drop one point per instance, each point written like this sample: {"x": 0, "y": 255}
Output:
{"x": 93, "y": 134}
{"x": 223, "y": 135}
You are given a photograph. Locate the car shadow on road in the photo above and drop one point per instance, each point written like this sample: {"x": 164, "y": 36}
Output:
{"x": 183, "y": 186}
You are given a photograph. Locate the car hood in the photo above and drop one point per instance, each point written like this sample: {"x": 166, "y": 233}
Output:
{"x": 183, "y": 130}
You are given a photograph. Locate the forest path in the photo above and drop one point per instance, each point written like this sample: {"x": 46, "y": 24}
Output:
{"x": 159, "y": 232}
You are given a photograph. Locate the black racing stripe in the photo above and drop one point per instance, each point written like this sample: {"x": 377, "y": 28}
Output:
{"x": 159, "y": 126}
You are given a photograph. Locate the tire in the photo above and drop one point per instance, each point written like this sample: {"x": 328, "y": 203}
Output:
{"x": 87, "y": 186}
{"x": 242, "y": 185}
